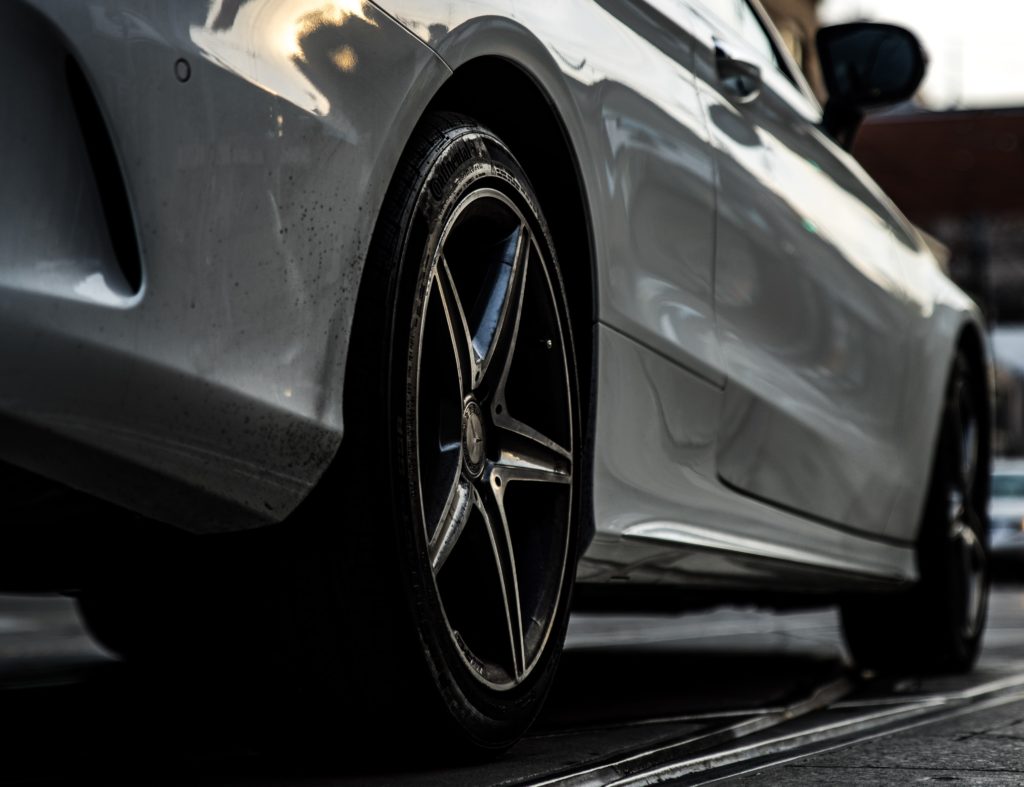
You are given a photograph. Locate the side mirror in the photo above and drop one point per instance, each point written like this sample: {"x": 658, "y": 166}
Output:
{"x": 866, "y": 66}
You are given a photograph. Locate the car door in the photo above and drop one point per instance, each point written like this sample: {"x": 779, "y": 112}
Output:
{"x": 810, "y": 313}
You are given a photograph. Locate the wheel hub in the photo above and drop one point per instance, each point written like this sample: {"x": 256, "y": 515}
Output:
{"x": 473, "y": 438}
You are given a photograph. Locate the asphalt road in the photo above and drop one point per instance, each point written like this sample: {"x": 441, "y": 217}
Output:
{"x": 734, "y": 694}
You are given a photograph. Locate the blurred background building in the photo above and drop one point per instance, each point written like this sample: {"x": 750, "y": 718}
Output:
{"x": 958, "y": 175}
{"x": 797, "y": 21}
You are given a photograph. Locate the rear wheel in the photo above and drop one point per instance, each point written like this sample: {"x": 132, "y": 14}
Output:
{"x": 937, "y": 626}
{"x": 483, "y": 429}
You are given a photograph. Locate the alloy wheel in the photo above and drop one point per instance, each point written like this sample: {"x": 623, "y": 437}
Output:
{"x": 492, "y": 435}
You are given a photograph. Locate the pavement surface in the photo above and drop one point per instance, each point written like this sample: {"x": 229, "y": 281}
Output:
{"x": 731, "y": 695}
{"x": 978, "y": 744}
{"x": 983, "y": 747}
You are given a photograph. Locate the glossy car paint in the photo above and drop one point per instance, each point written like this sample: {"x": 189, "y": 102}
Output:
{"x": 254, "y": 186}
{"x": 766, "y": 321}
{"x": 663, "y": 513}
{"x": 811, "y": 315}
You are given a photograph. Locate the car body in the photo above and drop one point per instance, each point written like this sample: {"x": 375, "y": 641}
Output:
{"x": 1006, "y": 510}
{"x": 242, "y": 310}
{"x": 764, "y": 342}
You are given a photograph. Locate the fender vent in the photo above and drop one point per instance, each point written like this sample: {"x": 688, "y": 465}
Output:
{"x": 107, "y": 173}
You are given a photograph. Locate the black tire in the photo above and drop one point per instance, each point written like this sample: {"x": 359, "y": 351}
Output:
{"x": 937, "y": 626}
{"x": 459, "y": 219}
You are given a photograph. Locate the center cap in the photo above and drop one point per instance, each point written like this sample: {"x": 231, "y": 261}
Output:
{"x": 473, "y": 437}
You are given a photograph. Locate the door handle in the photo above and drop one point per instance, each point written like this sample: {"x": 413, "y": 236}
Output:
{"x": 740, "y": 76}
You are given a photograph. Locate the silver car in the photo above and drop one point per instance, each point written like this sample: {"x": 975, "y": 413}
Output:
{"x": 407, "y": 316}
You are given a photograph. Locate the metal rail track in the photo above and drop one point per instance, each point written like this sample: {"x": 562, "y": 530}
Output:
{"x": 821, "y": 722}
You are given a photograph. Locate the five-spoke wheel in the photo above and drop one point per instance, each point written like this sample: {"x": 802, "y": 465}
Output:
{"x": 490, "y": 415}
{"x": 464, "y": 439}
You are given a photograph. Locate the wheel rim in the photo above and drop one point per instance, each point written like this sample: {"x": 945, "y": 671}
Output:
{"x": 969, "y": 556}
{"x": 493, "y": 437}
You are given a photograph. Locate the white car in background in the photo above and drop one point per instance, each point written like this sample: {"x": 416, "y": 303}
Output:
{"x": 1006, "y": 509}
